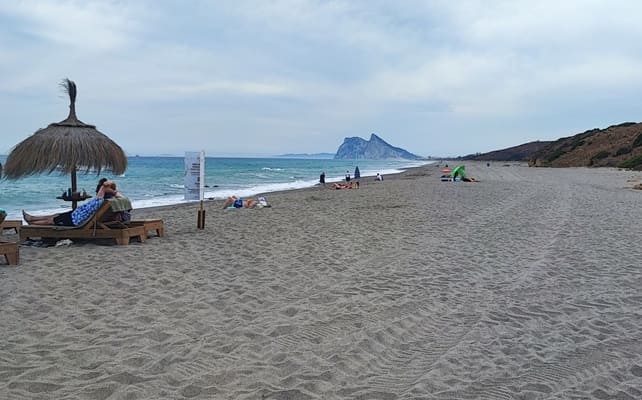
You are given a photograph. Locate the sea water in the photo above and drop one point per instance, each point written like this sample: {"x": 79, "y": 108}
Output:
{"x": 157, "y": 181}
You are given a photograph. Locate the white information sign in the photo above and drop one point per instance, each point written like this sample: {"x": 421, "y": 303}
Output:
{"x": 194, "y": 175}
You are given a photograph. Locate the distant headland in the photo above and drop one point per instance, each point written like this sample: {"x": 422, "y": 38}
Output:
{"x": 355, "y": 148}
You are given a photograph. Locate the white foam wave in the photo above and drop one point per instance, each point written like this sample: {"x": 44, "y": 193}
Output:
{"x": 249, "y": 191}
{"x": 221, "y": 193}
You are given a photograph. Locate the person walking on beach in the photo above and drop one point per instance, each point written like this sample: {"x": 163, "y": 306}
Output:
{"x": 322, "y": 178}
{"x": 347, "y": 176}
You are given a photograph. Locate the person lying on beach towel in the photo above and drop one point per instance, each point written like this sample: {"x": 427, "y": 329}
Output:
{"x": 339, "y": 186}
{"x": 237, "y": 202}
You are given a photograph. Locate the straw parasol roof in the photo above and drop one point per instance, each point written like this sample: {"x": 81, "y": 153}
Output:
{"x": 67, "y": 146}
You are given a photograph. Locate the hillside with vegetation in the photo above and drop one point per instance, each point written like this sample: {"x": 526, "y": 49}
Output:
{"x": 615, "y": 146}
{"x": 523, "y": 152}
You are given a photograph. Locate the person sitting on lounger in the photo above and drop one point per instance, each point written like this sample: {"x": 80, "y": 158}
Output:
{"x": 101, "y": 182}
{"x": 79, "y": 215}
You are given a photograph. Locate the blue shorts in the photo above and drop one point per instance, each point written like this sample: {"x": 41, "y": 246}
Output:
{"x": 238, "y": 203}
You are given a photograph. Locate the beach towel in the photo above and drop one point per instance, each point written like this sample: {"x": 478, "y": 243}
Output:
{"x": 121, "y": 206}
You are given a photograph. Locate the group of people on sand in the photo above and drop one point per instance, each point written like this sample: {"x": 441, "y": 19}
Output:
{"x": 349, "y": 182}
{"x": 105, "y": 189}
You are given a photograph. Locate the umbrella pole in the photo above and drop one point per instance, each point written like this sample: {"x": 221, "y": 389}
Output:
{"x": 74, "y": 203}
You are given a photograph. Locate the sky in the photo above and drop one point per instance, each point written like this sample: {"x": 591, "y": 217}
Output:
{"x": 261, "y": 78}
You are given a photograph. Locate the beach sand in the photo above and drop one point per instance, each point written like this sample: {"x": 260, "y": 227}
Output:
{"x": 526, "y": 285}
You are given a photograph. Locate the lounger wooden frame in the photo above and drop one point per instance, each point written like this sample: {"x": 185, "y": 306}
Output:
{"x": 151, "y": 225}
{"x": 10, "y": 224}
{"x": 93, "y": 228}
{"x": 11, "y": 252}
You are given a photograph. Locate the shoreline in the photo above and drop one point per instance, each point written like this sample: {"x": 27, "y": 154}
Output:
{"x": 522, "y": 285}
{"x": 147, "y": 212}
{"x": 156, "y": 197}
{"x": 418, "y": 171}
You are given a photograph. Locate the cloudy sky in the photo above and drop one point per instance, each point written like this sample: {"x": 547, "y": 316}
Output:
{"x": 259, "y": 77}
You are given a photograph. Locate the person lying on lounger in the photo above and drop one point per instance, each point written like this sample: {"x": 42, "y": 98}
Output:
{"x": 79, "y": 215}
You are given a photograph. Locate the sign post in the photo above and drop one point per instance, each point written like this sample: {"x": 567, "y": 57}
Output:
{"x": 195, "y": 181}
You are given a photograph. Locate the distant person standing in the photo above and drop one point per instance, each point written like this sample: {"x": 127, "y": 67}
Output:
{"x": 347, "y": 176}
{"x": 322, "y": 178}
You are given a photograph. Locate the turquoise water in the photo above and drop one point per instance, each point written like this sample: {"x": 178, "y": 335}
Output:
{"x": 155, "y": 181}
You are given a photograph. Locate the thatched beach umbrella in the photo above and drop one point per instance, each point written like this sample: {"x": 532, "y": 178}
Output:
{"x": 67, "y": 146}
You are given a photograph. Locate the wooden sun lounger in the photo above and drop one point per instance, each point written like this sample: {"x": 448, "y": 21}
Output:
{"x": 150, "y": 225}
{"x": 11, "y": 252}
{"x": 10, "y": 224}
{"x": 93, "y": 228}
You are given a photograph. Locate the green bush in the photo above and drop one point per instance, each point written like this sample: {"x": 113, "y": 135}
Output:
{"x": 576, "y": 143}
{"x": 590, "y": 132}
{"x": 555, "y": 155}
{"x": 600, "y": 155}
{"x": 622, "y": 150}
{"x": 634, "y": 162}
{"x": 622, "y": 125}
